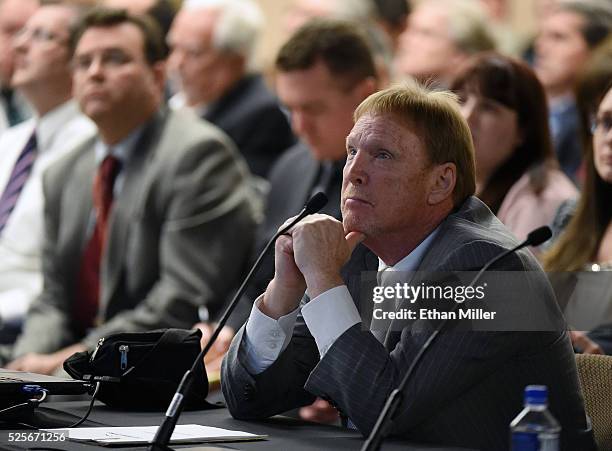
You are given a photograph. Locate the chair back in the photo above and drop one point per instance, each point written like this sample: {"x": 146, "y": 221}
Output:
{"x": 595, "y": 373}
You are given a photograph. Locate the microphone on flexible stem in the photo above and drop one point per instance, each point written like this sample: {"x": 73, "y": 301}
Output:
{"x": 385, "y": 418}
{"x": 164, "y": 432}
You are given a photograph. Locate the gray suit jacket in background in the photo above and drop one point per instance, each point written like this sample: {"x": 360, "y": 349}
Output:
{"x": 292, "y": 180}
{"x": 467, "y": 388}
{"x": 179, "y": 235}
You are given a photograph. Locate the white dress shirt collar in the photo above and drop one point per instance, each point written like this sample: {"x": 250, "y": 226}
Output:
{"x": 49, "y": 125}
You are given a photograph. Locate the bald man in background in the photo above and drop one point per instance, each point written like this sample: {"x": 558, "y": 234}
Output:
{"x": 13, "y": 16}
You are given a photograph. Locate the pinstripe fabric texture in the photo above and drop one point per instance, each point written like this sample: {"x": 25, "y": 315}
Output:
{"x": 17, "y": 180}
{"x": 468, "y": 386}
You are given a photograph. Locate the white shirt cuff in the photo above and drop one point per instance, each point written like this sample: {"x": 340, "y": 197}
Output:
{"x": 265, "y": 338}
{"x": 329, "y": 315}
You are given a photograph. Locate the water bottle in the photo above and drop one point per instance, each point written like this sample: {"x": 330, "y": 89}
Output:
{"x": 535, "y": 429}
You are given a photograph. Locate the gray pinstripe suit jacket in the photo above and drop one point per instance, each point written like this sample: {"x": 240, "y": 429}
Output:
{"x": 468, "y": 386}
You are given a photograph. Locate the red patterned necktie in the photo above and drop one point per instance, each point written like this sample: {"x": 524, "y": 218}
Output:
{"x": 17, "y": 180}
{"x": 88, "y": 283}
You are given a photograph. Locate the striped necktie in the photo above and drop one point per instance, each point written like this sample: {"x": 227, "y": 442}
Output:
{"x": 17, "y": 180}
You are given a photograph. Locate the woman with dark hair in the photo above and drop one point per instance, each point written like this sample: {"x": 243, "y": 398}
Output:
{"x": 586, "y": 242}
{"x": 517, "y": 175}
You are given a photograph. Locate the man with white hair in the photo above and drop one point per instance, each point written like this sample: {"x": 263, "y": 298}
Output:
{"x": 212, "y": 46}
{"x": 441, "y": 34}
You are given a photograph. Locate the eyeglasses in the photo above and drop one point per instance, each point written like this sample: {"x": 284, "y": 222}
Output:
{"x": 601, "y": 124}
{"x": 39, "y": 35}
{"x": 108, "y": 58}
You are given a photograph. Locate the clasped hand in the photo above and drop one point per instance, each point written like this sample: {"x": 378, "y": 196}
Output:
{"x": 308, "y": 258}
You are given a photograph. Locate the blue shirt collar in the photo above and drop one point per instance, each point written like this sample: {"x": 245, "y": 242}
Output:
{"x": 411, "y": 261}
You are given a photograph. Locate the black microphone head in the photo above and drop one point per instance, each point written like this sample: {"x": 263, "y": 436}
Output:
{"x": 538, "y": 236}
{"x": 315, "y": 203}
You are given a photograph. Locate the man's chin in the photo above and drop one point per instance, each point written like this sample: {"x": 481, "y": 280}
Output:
{"x": 352, "y": 224}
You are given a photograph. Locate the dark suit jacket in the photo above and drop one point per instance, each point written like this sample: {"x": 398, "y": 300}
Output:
{"x": 291, "y": 181}
{"x": 467, "y": 388}
{"x": 179, "y": 235}
{"x": 250, "y": 114}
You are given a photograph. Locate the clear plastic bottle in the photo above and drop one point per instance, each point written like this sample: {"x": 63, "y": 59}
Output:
{"x": 535, "y": 428}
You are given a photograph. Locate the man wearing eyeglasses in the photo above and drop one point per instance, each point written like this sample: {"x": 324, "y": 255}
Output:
{"x": 155, "y": 217}
{"x": 13, "y": 16}
{"x": 42, "y": 73}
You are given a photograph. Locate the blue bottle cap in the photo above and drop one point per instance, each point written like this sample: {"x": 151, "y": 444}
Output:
{"x": 536, "y": 394}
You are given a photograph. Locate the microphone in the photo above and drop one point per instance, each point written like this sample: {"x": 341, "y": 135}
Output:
{"x": 314, "y": 205}
{"x": 538, "y": 236}
{"x": 164, "y": 432}
{"x": 385, "y": 419}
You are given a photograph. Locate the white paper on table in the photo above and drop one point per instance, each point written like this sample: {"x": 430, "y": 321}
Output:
{"x": 144, "y": 434}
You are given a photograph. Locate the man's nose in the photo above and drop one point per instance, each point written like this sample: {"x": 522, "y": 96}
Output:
{"x": 176, "y": 60}
{"x": 300, "y": 123}
{"x": 19, "y": 42}
{"x": 356, "y": 168}
{"x": 95, "y": 68}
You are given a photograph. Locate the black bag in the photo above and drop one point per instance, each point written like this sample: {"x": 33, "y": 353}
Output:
{"x": 142, "y": 370}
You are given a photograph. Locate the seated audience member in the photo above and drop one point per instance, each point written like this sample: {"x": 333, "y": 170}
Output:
{"x": 567, "y": 36}
{"x": 166, "y": 226}
{"x": 586, "y": 243}
{"x": 212, "y": 46}
{"x": 392, "y": 17}
{"x": 163, "y": 11}
{"x": 323, "y": 72}
{"x": 299, "y": 12}
{"x": 42, "y": 74}
{"x": 407, "y": 196}
{"x": 517, "y": 175}
{"x": 365, "y": 14}
{"x": 506, "y": 35}
{"x": 441, "y": 34}
{"x": 13, "y": 16}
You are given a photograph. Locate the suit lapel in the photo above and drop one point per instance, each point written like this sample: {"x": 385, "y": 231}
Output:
{"x": 77, "y": 213}
{"x": 309, "y": 168}
{"x": 298, "y": 189}
{"x": 125, "y": 205}
{"x": 437, "y": 250}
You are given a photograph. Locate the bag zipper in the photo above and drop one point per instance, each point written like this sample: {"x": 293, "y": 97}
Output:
{"x": 123, "y": 350}
{"x": 93, "y": 354}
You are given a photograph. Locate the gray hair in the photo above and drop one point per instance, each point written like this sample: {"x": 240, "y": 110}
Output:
{"x": 238, "y": 27}
{"x": 597, "y": 15}
{"x": 468, "y": 24}
{"x": 358, "y": 11}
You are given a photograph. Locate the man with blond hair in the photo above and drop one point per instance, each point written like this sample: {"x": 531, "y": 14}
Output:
{"x": 407, "y": 195}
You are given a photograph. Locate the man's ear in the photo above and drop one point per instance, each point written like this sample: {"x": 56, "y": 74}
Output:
{"x": 365, "y": 87}
{"x": 159, "y": 74}
{"x": 443, "y": 181}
